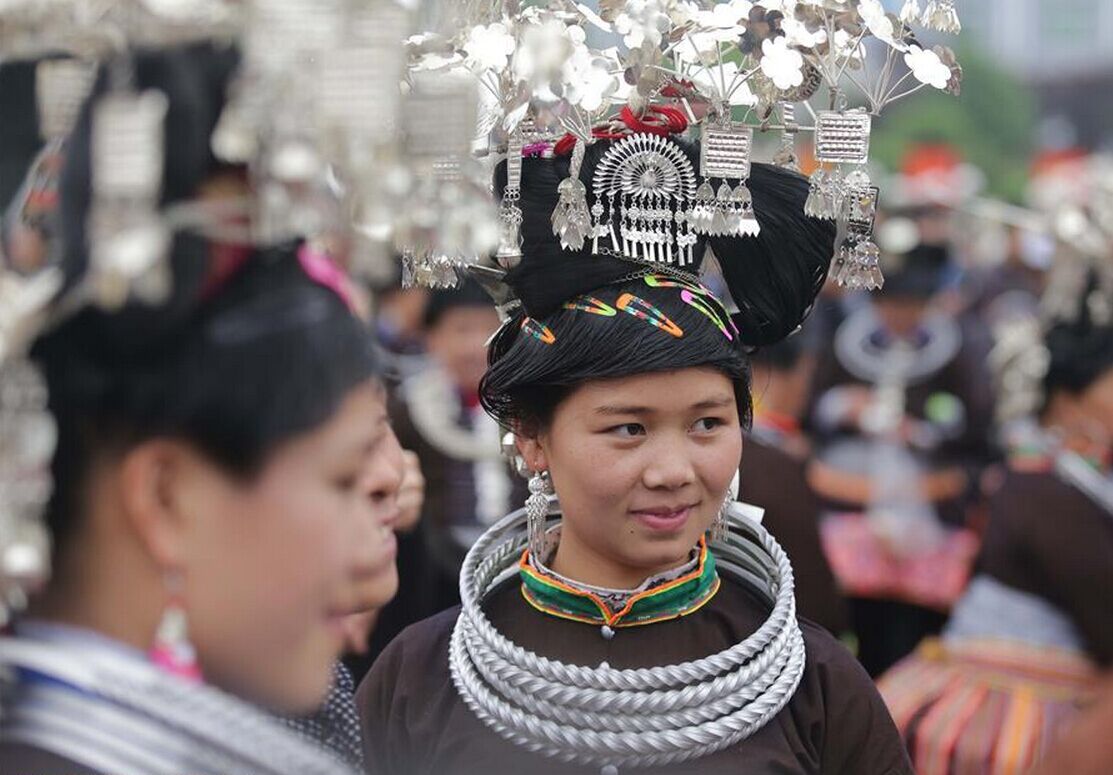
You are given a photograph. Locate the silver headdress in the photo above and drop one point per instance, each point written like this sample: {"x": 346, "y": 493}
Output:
{"x": 731, "y": 69}
{"x": 314, "y": 116}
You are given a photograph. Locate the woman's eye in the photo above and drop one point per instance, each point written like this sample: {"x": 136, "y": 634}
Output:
{"x": 628, "y": 430}
{"x": 705, "y": 424}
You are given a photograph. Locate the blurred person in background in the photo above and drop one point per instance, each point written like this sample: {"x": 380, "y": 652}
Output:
{"x": 1020, "y": 653}
{"x": 772, "y": 476}
{"x": 901, "y": 412}
{"x": 469, "y": 483}
{"x": 225, "y": 487}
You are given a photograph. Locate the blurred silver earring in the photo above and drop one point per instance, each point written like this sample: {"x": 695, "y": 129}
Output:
{"x": 537, "y": 511}
{"x": 719, "y": 528}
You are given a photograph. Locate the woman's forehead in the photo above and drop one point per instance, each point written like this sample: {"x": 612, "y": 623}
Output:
{"x": 661, "y": 392}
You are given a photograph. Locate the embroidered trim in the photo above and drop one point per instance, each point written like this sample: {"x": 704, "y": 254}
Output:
{"x": 670, "y": 600}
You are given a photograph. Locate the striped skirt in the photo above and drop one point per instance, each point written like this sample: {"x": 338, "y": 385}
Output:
{"x": 984, "y": 707}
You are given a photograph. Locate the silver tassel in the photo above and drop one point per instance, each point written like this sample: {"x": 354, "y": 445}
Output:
{"x": 941, "y": 15}
{"x": 571, "y": 220}
{"x": 537, "y": 512}
{"x": 825, "y": 195}
{"x": 857, "y": 264}
{"x": 509, "y": 253}
{"x": 720, "y": 529}
{"x": 910, "y": 11}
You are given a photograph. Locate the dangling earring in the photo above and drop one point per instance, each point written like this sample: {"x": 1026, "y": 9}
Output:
{"x": 537, "y": 512}
{"x": 720, "y": 528}
{"x": 172, "y": 650}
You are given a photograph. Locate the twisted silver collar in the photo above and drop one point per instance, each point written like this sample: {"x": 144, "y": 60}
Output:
{"x": 628, "y": 718}
{"x": 107, "y": 710}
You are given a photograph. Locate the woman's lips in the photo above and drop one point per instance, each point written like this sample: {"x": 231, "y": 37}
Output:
{"x": 663, "y": 520}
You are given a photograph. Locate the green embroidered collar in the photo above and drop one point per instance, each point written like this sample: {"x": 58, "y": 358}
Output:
{"x": 668, "y": 599}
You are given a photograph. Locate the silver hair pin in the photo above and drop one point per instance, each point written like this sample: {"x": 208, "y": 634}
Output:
{"x": 61, "y": 86}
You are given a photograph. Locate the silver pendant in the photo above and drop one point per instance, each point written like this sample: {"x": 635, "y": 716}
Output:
{"x": 842, "y": 137}
{"x": 571, "y": 219}
{"x": 128, "y": 240}
{"x": 509, "y": 252}
{"x": 857, "y": 263}
{"x": 940, "y": 15}
{"x": 725, "y": 153}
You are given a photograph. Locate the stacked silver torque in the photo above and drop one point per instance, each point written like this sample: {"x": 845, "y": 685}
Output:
{"x": 628, "y": 718}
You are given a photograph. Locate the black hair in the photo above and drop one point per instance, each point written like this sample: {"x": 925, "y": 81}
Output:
{"x": 782, "y": 356}
{"x": 526, "y": 378}
{"x": 468, "y": 294}
{"x": 267, "y": 356}
{"x": 915, "y": 275}
{"x": 1080, "y": 350}
{"x": 773, "y": 279}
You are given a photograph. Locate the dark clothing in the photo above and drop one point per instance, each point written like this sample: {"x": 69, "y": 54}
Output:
{"x": 963, "y": 377}
{"x": 775, "y": 480}
{"x": 1048, "y": 538}
{"x": 20, "y": 759}
{"x": 414, "y": 721}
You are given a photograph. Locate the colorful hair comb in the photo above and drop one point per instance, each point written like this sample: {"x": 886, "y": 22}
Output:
{"x": 701, "y": 303}
{"x": 538, "y": 331}
{"x": 643, "y": 310}
{"x": 592, "y": 306}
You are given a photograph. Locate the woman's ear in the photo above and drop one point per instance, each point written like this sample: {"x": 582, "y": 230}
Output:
{"x": 155, "y": 480}
{"x": 532, "y": 451}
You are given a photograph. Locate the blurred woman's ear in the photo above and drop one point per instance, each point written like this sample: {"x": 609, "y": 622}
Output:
{"x": 156, "y": 482}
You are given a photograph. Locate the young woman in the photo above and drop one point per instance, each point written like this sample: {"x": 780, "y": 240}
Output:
{"x": 1020, "y": 652}
{"x": 617, "y": 640}
{"x": 225, "y": 484}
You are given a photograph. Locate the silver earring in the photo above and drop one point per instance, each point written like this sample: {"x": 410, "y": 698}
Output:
{"x": 720, "y": 528}
{"x": 537, "y": 511}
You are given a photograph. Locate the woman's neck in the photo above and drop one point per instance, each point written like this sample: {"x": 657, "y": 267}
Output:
{"x": 578, "y": 561}
{"x": 100, "y": 600}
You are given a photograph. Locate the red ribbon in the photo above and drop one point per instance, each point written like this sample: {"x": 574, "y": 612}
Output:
{"x": 661, "y": 120}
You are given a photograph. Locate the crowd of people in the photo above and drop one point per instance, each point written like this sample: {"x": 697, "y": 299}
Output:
{"x": 622, "y": 514}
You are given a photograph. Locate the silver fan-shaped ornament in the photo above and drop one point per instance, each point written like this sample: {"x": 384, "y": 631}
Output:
{"x": 643, "y": 189}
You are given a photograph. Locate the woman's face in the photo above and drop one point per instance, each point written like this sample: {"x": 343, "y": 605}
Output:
{"x": 641, "y": 466}
{"x": 272, "y": 566}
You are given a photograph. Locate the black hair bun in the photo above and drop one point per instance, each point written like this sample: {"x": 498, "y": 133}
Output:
{"x": 194, "y": 79}
{"x": 773, "y": 278}
{"x": 1081, "y": 349}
